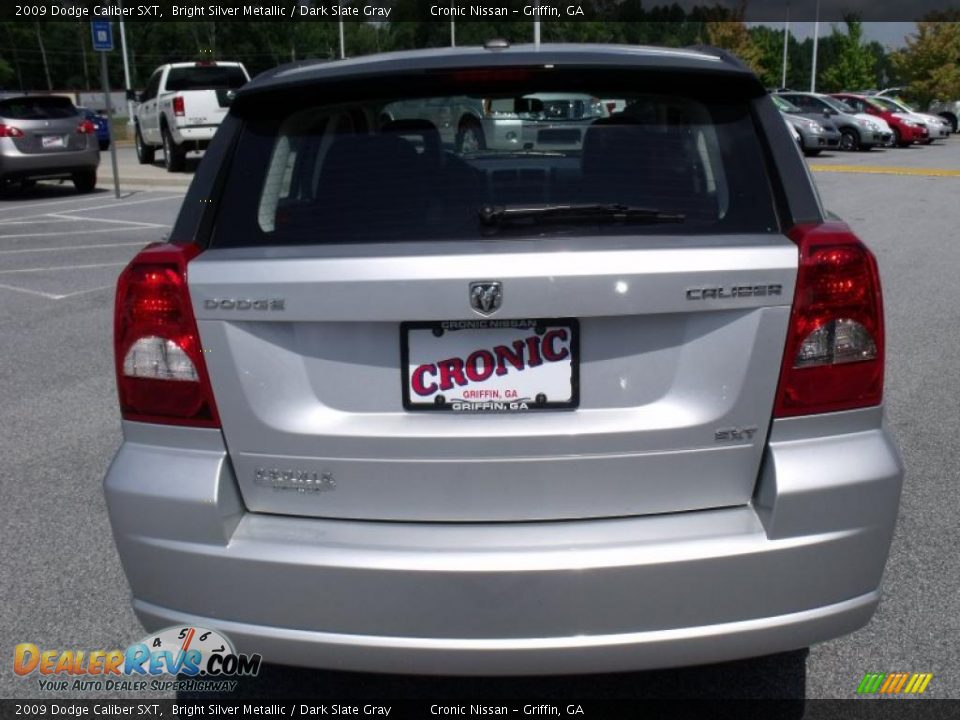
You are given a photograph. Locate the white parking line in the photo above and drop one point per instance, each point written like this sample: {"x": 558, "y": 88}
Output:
{"x": 83, "y": 232}
{"x": 105, "y": 220}
{"x": 70, "y": 248}
{"x": 61, "y": 267}
{"x": 41, "y": 221}
{"x": 52, "y": 296}
{"x": 100, "y": 207}
{"x": 30, "y": 292}
{"x": 47, "y": 203}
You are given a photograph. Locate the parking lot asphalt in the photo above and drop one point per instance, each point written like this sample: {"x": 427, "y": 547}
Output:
{"x": 62, "y": 585}
{"x": 133, "y": 174}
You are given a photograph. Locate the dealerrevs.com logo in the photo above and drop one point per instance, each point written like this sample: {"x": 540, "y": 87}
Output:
{"x": 204, "y": 660}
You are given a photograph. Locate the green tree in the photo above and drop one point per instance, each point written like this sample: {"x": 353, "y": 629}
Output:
{"x": 930, "y": 62}
{"x": 7, "y": 73}
{"x": 852, "y": 64}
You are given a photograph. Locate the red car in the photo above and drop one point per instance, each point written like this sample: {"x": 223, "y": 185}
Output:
{"x": 905, "y": 132}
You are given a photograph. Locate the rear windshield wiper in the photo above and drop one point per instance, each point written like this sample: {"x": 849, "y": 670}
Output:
{"x": 494, "y": 216}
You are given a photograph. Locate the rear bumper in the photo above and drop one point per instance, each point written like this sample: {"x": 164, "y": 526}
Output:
{"x": 15, "y": 164}
{"x": 801, "y": 564}
{"x": 196, "y": 136}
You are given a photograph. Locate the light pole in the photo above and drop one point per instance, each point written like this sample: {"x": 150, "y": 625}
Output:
{"x": 536, "y": 24}
{"x": 816, "y": 38}
{"x": 786, "y": 41}
{"x": 126, "y": 72}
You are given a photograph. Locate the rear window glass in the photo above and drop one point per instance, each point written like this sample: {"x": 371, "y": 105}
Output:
{"x": 530, "y": 162}
{"x": 37, "y": 108}
{"x": 205, "y": 77}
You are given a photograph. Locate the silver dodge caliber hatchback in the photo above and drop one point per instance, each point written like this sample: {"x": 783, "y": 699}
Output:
{"x": 391, "y": 406}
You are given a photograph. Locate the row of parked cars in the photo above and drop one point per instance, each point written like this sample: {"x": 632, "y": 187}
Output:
{"x": 856, "y": 121}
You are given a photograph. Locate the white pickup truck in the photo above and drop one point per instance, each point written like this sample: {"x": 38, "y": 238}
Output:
{"x": 182, "y": 107}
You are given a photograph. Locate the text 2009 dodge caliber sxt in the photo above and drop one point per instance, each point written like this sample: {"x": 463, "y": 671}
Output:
{"x": 603, "y": 394}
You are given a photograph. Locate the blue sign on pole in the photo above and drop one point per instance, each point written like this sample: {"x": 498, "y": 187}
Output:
{"x": 102, "y": 33}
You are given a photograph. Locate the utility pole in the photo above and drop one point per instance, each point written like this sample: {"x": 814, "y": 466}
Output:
{"x": 786, "y": 41}
{"x": 536, "y": 24}
{"x": 816, "y": 38}
{"x": 126, "y": 71}
{"x": 453, "y": 27}
{"x": 343, "y": 51}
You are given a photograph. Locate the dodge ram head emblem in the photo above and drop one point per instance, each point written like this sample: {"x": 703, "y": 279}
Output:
{"x": 486, "y": 297}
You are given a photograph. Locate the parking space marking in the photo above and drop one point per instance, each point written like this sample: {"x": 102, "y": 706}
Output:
{"x": 52, "y": 296}
{"x": 67, "y": 248}
{"x": 82, "y": 232}
{"x": 105, "y": 220}
{"x": 47, "y": 203}
{"x": 61, "y": 267}
{"x": 102, "y": 207}
{"x": 885, "y": 170}
{"x": 30, "y": 292}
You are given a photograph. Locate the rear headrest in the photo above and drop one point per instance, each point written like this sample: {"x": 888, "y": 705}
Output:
{"x": 355, "y": 159}
{"x": 607, "y": 140}
{"x": 417, "y": 126}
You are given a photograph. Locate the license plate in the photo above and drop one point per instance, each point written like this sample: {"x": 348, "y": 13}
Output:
{"x": 52, "y": 141}
{"x": 490, "y": 365}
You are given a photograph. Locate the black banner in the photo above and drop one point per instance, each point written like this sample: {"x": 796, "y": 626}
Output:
{"x": 425, "y": 710}
{"x": 547, "y": 11}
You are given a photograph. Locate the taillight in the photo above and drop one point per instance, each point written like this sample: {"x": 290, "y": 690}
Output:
{"x": 178, "y": 105}
{"x": 161, "y": 375}
{"x": 86, "y": 128}
{"x": 834, "y": 353}
{"x": 10, "y": 131}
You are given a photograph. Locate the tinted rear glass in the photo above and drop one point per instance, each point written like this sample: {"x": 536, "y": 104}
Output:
{"x": 421, "y": 167}
{"x": 205, "y": 77}
{"x": 37, "y": 108}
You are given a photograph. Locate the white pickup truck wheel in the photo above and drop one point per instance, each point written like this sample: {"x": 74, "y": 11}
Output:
{"x": 173, "y": 156}
{"x": 145, "y": 152}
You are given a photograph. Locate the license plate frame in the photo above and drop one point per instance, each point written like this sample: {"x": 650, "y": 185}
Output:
{"x": 485, "y": 335}
{"x": 53, "y": 142}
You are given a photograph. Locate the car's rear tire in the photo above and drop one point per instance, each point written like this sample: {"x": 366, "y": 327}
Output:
{"x": 104, "y": 145}
{"x": 952, "y": 119}
{"x": 849, "y": 139}
{"x": 145, "y": 153}
{"x": 898, "y": 139}
{"x": 85, "y": 181}
{"x": 811, "y": 152}
{"x": 173, "y": 156}
{"x": 470, "y": 136}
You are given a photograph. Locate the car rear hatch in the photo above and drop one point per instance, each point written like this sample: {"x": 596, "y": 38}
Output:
{"x": 593, "y": 362}
{"x": 46, "y": 124}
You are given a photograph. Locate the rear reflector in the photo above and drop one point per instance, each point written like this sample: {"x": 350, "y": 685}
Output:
{"x": 833, "y": 358}
{"x": 178, "y": 105}
{"x": 161, "y": 374}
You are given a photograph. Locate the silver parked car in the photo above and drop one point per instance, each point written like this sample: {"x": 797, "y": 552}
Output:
{"x": 388, "y": 406}
{"x": 815, "y": 135}
{"x": 938, "y": 128}
{"x": 857, "y": 131}
{"x": 46, "y": 138}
